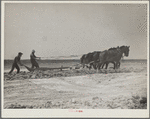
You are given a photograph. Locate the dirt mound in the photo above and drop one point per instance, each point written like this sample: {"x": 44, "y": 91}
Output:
{"x": 39, "y": 74}
{"x": 92, "y": 103}
{"x": 18, "y": 106}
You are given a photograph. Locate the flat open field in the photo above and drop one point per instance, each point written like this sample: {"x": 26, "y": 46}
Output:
{"x": 125, "y": 88}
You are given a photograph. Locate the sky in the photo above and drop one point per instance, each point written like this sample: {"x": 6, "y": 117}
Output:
{"x": 63, "y": 29}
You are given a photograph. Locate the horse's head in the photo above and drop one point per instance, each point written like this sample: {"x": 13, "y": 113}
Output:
{"x": 125, "y": 50}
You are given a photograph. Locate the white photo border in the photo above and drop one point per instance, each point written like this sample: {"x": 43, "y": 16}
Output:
{"x": 47, "y": 113}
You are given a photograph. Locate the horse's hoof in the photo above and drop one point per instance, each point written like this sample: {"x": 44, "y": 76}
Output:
{"x": 106, "y": 72}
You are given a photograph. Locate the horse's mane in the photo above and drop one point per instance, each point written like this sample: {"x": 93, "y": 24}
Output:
{"x": 122, "y": 47}
{"x": 111, "y": 48}
{"x": 96, "y": 52}
{"x": 114, "y": 48}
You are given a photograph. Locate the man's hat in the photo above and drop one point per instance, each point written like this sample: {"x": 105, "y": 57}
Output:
{"x": 33, "y": 50}
{"x": 20, "y": 53}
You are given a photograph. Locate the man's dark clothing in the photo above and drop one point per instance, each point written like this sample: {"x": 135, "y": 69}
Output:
{"x": 33, "y": 61}
{"x": 15, "y": 65}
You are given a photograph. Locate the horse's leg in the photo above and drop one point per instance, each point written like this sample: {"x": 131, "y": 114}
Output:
{"x": 83, "y": 65}
{"x": 99, "y": 67}
{"x": 118, "y": 64}
{"x": 114, "y": 65}
{"x": 87, "y": 66}
{"x": 90, "y": 66}
{"x": 94, "y": 66}
{"x": 103, "y": 65}
{"x": 106, "y": 65}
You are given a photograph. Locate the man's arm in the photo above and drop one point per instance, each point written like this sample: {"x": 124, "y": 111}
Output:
{"x": 19, "y": 62}
{"x": 36, "y": 56}
{"x": 17, "y": 59}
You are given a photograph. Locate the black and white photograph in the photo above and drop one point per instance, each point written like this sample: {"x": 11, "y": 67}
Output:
{"x": 77, "y": 57}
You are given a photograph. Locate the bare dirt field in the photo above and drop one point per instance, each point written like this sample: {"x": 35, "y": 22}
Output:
{"x": 125, "y": 88}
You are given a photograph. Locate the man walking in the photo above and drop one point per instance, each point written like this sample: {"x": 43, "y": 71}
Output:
{"x": 16, "y": 62}
{"x": 33, "y": 60}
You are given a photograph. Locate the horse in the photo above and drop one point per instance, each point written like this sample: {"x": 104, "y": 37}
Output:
{"x": 90, "y": 59}
{"x": 106, "y": 63}
{"x": 113, "y": 55}
{"x": 95, "y": 59}
{"x": 86, "y": 59}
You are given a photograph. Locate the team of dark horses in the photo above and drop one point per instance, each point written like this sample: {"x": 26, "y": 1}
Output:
{"x": 98, "y": 59}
